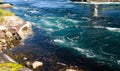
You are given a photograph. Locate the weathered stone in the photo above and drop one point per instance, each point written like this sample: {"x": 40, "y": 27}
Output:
{"x": 3, "y": 27}
{"x": 25, "y": 30}
{"x": 3, "y": 40}
{"x": 36, "y": 64}
{"x": 8, "y": 34}
{"x": 2, "y": 35}
{"x": 13, "y": 29}
{"x": 16, "y": 24}
{"x": 5, "y": 5}
{"x": 29, "y": 64}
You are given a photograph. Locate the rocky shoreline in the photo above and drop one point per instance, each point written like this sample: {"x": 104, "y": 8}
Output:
{"x": 12, "y": 31}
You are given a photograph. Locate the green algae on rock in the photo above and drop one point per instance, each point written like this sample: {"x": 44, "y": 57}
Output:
{"x": 10, "y": 66}
{"x": 5, "y": 13}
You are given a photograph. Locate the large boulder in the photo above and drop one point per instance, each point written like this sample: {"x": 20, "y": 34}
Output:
{"x": 13, "y": 29}
{"x": 15, "y": 24}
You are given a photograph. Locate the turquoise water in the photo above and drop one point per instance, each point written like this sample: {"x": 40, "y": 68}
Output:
{"x": 73, "y": 26}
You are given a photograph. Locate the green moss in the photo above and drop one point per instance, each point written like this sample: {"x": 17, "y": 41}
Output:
{"x": 5, "y": 13}
{"x": 10, "y": 66}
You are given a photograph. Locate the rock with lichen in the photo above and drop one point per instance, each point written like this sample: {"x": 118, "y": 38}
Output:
{"x": 12, "y": 30}
{"x": 8, "y": 64}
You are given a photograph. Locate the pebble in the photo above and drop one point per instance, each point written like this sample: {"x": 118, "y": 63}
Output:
{"x": 3, "y": 28}
{"x": 25, "y": 58}
{"x": 36, "y": 64}
{"x": 28, "y": 64}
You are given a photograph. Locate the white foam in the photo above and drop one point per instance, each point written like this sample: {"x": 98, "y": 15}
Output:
{"x": 98, "y": 2}
{"x": 33, "y": 11}
{"x": 113, "y": 29}
{"x": 118, "y": 61}
{"x": 80, "y": 49}
{"x": 58, "y": 41}
{"x": 74, "y": 21}
{"x": 50, "y": 29}
{"x": 98, "y": 27}
{"x": 108, "y": 28}
{"x": 15, "y": 7}
{"x": 57, "y": 25}
{"x": 26, "y": 15}
{"x": 86, "y": 52}
{"x": 86, "y": 18}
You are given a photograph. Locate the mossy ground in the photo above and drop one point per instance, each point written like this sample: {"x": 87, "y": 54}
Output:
{"x": 10, "y": 66}
{"x": 4, "y": 13}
